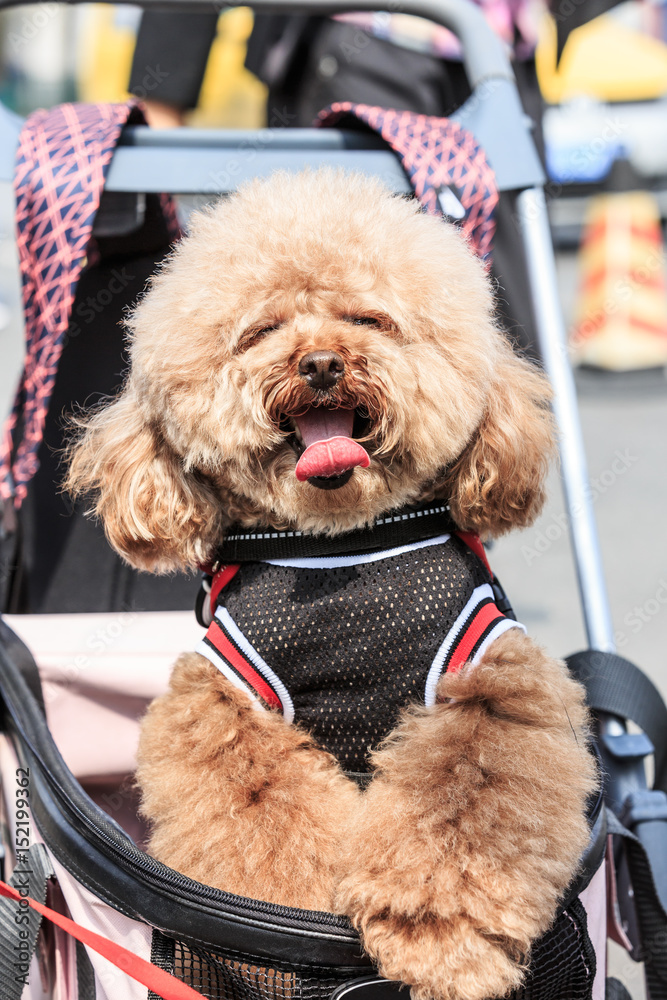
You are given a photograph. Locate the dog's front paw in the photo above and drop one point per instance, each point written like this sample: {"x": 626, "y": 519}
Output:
{"x": 472, "y": 827}
{"x": 420, "y": 915}
{"x": 237, "y": 798}
{"x": 441, "y": 960}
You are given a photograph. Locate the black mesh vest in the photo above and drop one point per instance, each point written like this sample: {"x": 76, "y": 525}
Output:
{"x": 341, "y": 644}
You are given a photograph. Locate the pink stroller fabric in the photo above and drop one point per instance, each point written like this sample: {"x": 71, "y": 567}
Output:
{"x": 61, "y": 165}
{"x": 436, "y": 153}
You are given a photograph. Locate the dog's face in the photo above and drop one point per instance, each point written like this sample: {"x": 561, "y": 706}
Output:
{"x": 316, "y": 352}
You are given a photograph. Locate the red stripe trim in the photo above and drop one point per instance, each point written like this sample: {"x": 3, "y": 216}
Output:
{"x": 155, "y": 979}
{"x": 635, "y": 275}
{"x": 590, "y": 327}
{"x": 622, "y": 226}
{"x": 660, "y": 330}
{"x": 483, "y": 618}
{"x": 474, "y": 543}
{"x": 219, "y": 639}
{"x": 220, "y": 581}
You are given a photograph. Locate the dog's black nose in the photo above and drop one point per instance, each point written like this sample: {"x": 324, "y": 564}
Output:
{"x": 321, "y": 369}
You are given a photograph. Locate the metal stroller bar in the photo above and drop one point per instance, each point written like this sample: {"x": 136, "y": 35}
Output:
{"x": 142, "y": 163}
{"x": 534, "y": 223}
{"x": 224, "y": 159}
{"x": 484, "y": 53}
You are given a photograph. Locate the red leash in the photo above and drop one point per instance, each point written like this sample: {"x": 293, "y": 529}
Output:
{"x": 155, "y": 979}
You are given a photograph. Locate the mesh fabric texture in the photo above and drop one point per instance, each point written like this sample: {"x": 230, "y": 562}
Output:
{"x": 562, "y": 965}
{"x": 354, "y": 644}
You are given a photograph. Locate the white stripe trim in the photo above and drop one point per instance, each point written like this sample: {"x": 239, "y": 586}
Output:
{"x": 478, "y": 594}
{"x": 330, "y": 562}
{"x": 495, "y": 633}
{"x": 219, "y": 661}
{"x": 390, "y": 519}
{"x": 226, "y": 620}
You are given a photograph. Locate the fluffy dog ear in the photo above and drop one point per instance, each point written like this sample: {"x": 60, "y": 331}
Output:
{"x": 498, "y": 482}
{"x": 156, "y": 514}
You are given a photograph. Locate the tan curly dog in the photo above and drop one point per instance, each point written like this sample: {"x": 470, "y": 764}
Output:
{"x": 300, "y": 300}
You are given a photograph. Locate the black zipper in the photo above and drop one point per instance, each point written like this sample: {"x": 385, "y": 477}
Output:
{"x": 138, "y": 862}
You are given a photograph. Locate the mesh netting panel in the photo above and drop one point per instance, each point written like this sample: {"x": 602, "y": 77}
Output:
{"x": 563, "y": 962}
{"x": 562, "y": 966}
{"x": 221, "y": 977}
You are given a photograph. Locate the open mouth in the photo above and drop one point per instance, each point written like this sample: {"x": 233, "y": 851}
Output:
{"x": 325, "y": 443}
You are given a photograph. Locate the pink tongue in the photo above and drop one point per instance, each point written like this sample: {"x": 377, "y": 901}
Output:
{"x": 330, "y": 450}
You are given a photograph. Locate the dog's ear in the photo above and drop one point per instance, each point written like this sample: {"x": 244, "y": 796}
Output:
{"x": 498, "y": 482}
{"x": 157, "y": 515}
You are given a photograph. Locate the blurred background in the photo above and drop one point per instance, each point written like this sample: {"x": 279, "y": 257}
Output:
{"x": 604, "y": 122}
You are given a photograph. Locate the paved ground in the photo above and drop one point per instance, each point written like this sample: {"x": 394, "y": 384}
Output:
{"x": 624, "y": 424}
{"x": 625, "y": 429}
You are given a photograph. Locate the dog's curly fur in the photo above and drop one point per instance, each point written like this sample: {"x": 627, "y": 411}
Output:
{"x": 453, "y": 860}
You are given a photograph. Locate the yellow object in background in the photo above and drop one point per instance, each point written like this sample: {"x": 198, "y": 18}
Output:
{"x": 603, "y": 59}
{"x": 621, "y": 316}
{"x": 230, "y": 97}
{"x": 106, "y": 45}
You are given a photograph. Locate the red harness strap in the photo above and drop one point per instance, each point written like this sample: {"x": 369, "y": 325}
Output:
{"x": 220, "y": 580}
{"x": 481, "y": 624}
{"x": 474, "y": 543}
{"x": 483, "y": 619}
{"x": 233, "y": 658}
{"x": 155, "y": 979}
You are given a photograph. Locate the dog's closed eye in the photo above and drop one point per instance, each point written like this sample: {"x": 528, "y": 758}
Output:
{"x": 255, "y": 333}
{"x": 378, "y": 321}
{"x": 364, "y": 320}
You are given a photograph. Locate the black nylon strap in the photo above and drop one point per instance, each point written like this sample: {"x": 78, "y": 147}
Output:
{"x": 651, "y": 915}
{"x": 19, "y": 653}
{"x": 410, "y": 524}
{"x": 85, "y": 974}
{"x": 617, "y": 686}
{"x": 594, "y": 854}
{"x": 162, "y": 955}
{"x": 19, "y": 925}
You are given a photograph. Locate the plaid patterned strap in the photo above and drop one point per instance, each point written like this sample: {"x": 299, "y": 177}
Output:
{"x": 61, "y": 165}
{"x": 436, "y": 153}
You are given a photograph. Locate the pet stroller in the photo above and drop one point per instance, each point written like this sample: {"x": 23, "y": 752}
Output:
{"x": 117, "y": 920}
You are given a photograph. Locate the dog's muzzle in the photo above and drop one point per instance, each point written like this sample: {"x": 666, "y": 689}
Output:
{"x": 331, "y": 454}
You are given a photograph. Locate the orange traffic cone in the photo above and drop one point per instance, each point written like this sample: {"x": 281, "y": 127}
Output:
{"x": 621, "y": 315}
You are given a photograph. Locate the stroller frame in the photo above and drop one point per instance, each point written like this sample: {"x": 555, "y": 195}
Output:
{"x": 494, "y": 115}
{"x": 163, "y": 161}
